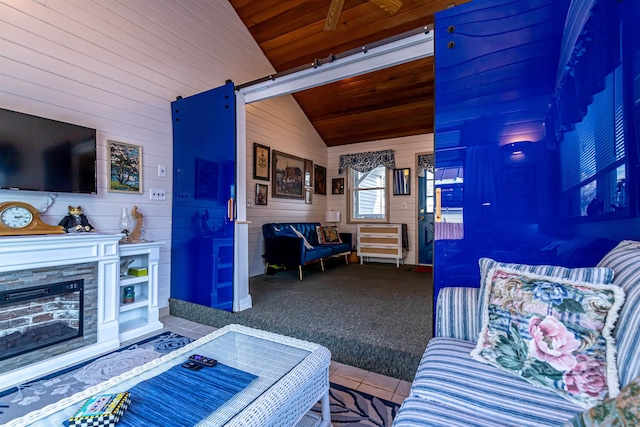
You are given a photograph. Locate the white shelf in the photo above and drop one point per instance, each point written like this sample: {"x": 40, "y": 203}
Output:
{"x": 132, "y": 280}
{"x": 132, "y": 324}
{"x": 139, "y": 302}
{"x": 141, "y": 316}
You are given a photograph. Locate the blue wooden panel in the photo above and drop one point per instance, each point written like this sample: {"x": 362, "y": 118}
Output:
{"x": 495, "y": 84}
{"x": 204, "y": 156}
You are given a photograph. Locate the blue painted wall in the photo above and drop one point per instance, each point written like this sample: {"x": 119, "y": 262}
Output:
{"x": 504, "y": 116}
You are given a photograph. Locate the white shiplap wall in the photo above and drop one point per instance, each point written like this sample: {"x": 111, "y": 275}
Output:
{"x": 280, "y": 124}
{"x": 116, "y": 66}
{"x": 405, "y": 150}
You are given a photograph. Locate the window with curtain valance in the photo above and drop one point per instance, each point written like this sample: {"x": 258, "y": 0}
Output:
{"x": 588, "y": 111}
{"x": 590, "y": 52}
{"x": 365, "y": 162}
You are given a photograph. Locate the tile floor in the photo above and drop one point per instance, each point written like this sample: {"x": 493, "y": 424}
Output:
{"x": 378, "y": 385}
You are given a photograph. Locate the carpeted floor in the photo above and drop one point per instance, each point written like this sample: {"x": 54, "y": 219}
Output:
{"x": 375, "y": 316}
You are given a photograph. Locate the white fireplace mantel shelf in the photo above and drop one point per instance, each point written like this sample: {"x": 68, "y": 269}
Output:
{"x": 31, "y": 252}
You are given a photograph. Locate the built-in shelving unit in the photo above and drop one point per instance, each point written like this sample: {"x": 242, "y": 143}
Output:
{"x": 140, "y": 316}
{"x": 380, "y": 241}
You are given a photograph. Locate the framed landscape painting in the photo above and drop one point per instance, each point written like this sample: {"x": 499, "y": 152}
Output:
{"x": 287, "y": 176}
{"x": 125, "y": 167}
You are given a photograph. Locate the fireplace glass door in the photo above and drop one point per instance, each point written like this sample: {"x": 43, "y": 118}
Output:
{"x": 37, "y": 317}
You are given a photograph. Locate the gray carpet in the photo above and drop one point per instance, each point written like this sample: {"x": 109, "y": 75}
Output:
{"x": 374, "y": 316}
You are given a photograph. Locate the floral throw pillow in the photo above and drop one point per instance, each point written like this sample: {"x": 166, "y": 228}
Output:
{"x": 330, "y": 234}
{"x": 554, "y": 333}
{"x": 622, "y": 411}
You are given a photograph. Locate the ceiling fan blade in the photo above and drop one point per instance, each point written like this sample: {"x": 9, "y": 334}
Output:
{"x": 389, "y": 6}
{"x": 331, "y": 22}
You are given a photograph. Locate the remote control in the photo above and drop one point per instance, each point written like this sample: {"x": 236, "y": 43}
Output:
{"x": 203, "y": 360}
{"x": 192, "y": 366}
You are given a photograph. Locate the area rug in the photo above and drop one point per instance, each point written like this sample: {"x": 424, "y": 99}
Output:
{"x": 348, "y": 407}
{"x": 19, "y": 401}
{"x": 353, "y": 408}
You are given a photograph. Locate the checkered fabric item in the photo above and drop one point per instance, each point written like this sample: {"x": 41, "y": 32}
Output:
{"x": 109, "y": 419}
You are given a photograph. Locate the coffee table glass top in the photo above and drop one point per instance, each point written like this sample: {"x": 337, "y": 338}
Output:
{"x": 268, "y": 356}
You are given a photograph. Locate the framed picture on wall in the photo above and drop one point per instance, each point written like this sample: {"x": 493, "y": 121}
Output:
{"x": 319, "y": 179}
{"x": 287, "y": 176}
{"x": 261, "y": 159}
{"x": 125, "y": 167}
{"x": 337, "y": 186}
{"x": 402, "y": 182}
{"x": 308, "y": 173}
{"x": 261, "y": 194}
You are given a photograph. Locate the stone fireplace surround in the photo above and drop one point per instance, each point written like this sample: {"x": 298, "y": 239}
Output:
{"x": 22, "y": 253}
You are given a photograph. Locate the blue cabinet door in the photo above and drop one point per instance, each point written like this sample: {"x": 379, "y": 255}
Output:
{"x": 204, "y": 172}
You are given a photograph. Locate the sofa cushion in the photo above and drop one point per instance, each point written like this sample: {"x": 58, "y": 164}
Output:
{"x": 306, "y": 228}
{"x": 449, "y": 376}
{"x": 339, "y": 248}
{"x": 554, "y": 333}
{"x": 284, "y": 231}
{"x": 304, "y": 239}
{"x": 330, "y": 235}
{"x": 591, "y": 275}
{"x": 416, "y": 412}
{"x": 624, "y": 259}
{"x": 316, "y": 253}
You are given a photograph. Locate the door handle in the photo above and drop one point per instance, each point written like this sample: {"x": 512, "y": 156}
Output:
{"x": 230, "y": 209}
{"x": 438, "y": 204}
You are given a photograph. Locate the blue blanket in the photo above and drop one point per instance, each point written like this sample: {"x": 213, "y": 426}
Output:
{"x": 181, "y": 397}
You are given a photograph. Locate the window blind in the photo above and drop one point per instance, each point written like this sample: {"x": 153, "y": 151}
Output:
{"x": 597, "y": 142}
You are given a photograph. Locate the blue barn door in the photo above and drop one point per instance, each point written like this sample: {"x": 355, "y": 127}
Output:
{"x": 204, "y": 171}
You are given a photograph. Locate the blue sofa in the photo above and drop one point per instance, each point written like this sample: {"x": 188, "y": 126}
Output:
{"x": 283, "y": 247}
{"x": 451, "y": 389}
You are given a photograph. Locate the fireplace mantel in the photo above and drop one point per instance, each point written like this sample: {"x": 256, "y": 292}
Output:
{"x": 34, "y": 252}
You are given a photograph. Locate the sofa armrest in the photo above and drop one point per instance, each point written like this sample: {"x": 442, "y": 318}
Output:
{"x": 287, "y": 250}
{"x": 347, "y": 238}
{"x": 457, "y": 313}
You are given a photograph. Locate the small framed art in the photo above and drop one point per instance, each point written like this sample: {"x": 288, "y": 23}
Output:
{"x": 261, "y": 160}
{"x": 402, "y": 182}
{"x": 125, "y": 167}
{"x": 319, "y": 179}
{"x": 308, "y": 172}
{"x": 337, "y": 186}
{"x": 261, "y": 194}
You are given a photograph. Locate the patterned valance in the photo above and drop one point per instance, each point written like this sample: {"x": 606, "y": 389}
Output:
{"x": 426, "y": 162}
{"x": 365, "y": 162}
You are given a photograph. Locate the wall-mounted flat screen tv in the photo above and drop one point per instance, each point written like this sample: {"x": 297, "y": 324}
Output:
{"x": 46, "y": 155}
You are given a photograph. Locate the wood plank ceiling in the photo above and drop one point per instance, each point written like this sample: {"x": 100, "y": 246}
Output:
{"x": 393, "y": 102}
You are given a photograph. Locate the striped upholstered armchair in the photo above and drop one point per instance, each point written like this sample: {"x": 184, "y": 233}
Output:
{"x": 452, "y": 389}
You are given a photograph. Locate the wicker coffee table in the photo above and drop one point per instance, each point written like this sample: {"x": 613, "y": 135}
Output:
{"x": 293, "y": 375}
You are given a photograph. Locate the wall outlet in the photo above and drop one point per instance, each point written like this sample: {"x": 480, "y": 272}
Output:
{"x": 157, "y": 194}
{"x": 162, "y": 170}
{"x": 249, "y": 203}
